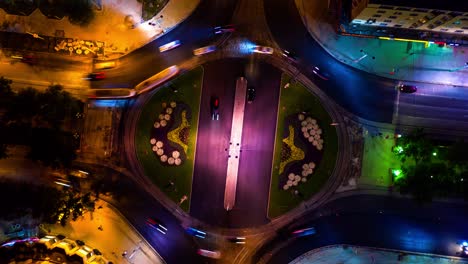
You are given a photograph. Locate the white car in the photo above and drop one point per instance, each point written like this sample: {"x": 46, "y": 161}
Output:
{"x": 263, "y": 50}
{"x": 171, "y": 45}
{"x": 208, "y": 253}
{"x": 204, "y": 50}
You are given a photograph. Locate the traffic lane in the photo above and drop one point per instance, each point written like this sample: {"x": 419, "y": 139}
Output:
{"x": 137, "y": 205}
{"x": 146, "y": 61}
{"x": 355, "y": 90}
{"x": 382, "y": 221}
{"x": 258, "y": 140}
{"x": 209, "y": 177}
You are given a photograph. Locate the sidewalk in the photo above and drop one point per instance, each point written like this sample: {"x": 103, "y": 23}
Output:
{"x": 354, "y": 254}
{"x": 117, "y": 234}
{"x": 387, "y": 58}
{"x": 110, "y": 25}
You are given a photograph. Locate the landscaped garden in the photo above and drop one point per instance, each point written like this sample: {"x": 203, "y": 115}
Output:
{"x": 306, "y": 148}
{"x": 166, "y": 136}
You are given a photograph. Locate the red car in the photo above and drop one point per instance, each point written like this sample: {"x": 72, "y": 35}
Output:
{"x": 224, "y": 29}
{"x": 405, "y": 88}
{"x": 156, "y": 224}
{"x": 96, "y": 76}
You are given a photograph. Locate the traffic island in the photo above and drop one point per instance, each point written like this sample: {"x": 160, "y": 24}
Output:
{"x": 166, "y": 134}
{"x": 306, "y": 148}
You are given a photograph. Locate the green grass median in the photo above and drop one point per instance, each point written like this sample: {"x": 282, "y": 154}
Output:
{"x": 295, "y": 100}
{"x": 174, "y": 180}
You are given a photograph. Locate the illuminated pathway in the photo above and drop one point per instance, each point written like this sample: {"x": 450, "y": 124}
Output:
{"x": 234, "y": 144}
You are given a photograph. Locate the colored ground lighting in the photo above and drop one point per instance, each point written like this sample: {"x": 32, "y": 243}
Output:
{"x": 399, "y": 149}
{"x": 434, "y": 153}
{"x": 397, "y": 174}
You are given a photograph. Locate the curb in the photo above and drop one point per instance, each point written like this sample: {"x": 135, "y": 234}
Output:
{"x": 340, "y": 58}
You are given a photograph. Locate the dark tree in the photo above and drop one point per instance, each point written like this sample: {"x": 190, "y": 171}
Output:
{"x": 415, "y": 145}
{"x": 80, "y": 12}
{"x": 6, "y": 94}
{"x": 53, "y": 148}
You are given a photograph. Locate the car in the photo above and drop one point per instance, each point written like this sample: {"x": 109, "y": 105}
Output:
{"x": 209, "y": 253}
{"x": 250, "y": 94}
{"x": 289, "y": 54}
{"x": 236, "y": 240}
{"x": 204, "y": 50}
{"x": 262, "y": 50}
{"x": 29, "y": 59}
{"x": 156, "y": 224}
{"x": 303, "y": 232}
{"x": 464, "y": 248}
{"x": 96, "y": 76}
{"x": 171, "y": 45}
{"x": 195, "y": 232}
{"x": 224, "y": 29}
{"x": 406, "y": 88}
{"x": 63, "y": 182}
{"x": 316, "y": 70}
{"x": 214, "y": 105}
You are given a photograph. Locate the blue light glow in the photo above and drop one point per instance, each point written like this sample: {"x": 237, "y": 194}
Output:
{"x": 104, "y": 103}
{"x": 246, "y": 46}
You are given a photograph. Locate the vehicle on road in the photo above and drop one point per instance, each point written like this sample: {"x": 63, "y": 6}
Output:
{"x": 204, "y": 50}
{"x": 209, "y": 253}
{"x": 237, "y": 240}
{"x": 62, "y": 182}
{"x": 303, "y": 232}
{"x": 250, "y": 94}
{"x": 224, "y": 29}
{"x": 289, "y": 54}
{"x": 171, "y": 45}
{"x": 316, "y": 70}
{"x": 28, "y": 59}
{"x": 195, "y": 232}
{"x": 104, "y": 65}
{"x": 406, "y": 88}
{"x": 96, "y": 76}
{"x": 156, "y": 224}
{"x": 214, "y": 105}
{"x": 262, "y": 50}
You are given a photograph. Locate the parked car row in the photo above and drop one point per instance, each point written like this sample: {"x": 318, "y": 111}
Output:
{"x": 56, "y": 248}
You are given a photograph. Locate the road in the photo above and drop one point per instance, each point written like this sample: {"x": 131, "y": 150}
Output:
{"x": 196, "y": 31}
{"x": 258, "y": 138}
{"x": 137, "y": 205}
{"x": 380, "y": 221}
{"x": 366, "y": 95}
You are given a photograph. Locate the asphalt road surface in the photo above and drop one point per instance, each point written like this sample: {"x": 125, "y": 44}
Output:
{"x": 380, "y": 221}
{"x": 136, "y": 205}
{"x": 257, "y": 144}
{"x": 366, "y": 95}
{"x": 196, "y": 31}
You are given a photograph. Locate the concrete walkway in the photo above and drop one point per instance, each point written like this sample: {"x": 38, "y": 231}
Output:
{"x": 353, "y": 255}
{"x": 111, "y": 25}
{"x": 392, "y": 59}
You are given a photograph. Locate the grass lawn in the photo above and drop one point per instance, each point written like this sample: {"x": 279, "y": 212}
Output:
{"x": 152, "y": 8}
{"x": 377, "y": 160}
{"x": 189, "y": 90}
{"x": 293, "y": 100}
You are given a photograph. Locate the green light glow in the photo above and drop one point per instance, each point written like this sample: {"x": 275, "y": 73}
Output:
{"x": 399, "y": 149}
{"x": 434, "y": 153}
{"x": 397, "y": 174}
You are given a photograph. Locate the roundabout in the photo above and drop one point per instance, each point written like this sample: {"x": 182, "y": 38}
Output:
{"x": 287, "y": 154}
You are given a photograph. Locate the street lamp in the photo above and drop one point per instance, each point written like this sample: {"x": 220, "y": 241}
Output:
{"x": 35, "y": 35}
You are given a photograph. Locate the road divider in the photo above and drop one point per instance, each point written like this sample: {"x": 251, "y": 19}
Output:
{"x": 157, "y": 79}
{"x": 143, "y": 87}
